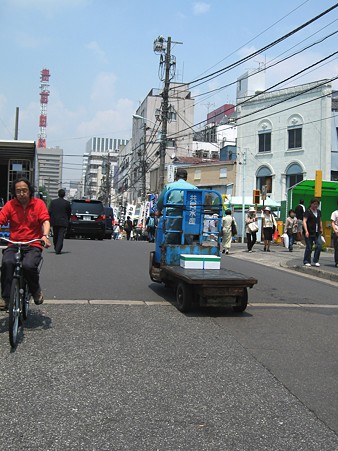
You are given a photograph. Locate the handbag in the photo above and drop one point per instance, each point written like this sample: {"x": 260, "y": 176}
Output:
{"x": 233, "y": 228}
{"x": 253, "y": 227}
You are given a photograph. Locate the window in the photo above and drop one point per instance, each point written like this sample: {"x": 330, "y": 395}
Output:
{"x": 197, "y": 175}
{"x": 294, "y": 175}
{"x": 295, "y": 138}
{"x": 264, "y": 178}
{"x": 223, "y": 173}
{"x": 264, "y": 142}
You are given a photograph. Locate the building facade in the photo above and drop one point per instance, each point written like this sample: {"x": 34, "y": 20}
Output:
{"x": 100, "y": 168}
{"x": 50, "y": 161}
{"x": 283, "y": 137}
{"x": 146, "y": 136}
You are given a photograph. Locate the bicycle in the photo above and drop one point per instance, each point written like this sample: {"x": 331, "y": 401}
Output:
{"x": 20, "y": 295}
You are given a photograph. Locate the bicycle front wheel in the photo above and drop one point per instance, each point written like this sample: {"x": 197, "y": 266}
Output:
{"x": 14, "y": 313}
{"x": 25, "y": 302}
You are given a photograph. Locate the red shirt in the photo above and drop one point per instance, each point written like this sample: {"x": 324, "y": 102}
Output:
{"x": 25, "y": 224}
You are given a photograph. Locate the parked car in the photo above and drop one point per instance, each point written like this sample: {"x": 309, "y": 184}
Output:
{"x": 87, "y": 219}
{"x": 109, "y": 213}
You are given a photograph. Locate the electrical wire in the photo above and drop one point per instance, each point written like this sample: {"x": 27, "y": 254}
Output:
{"x": 263, "y": 49}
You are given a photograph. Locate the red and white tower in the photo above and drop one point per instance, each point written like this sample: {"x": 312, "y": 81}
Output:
{"x": 44, "y": 93}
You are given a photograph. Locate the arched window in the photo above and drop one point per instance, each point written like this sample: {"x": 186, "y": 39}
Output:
{"x": 264, "y": 178}
{"x": 294, "y": 175}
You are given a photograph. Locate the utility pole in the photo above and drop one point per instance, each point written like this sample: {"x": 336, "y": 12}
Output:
{"x": 165, "y": 107}
{"x": 163, "y": 46}
{"x": 144, "y": 160}
{"x": 108, "y": 184}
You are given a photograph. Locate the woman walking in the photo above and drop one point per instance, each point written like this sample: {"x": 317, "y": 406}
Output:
{"x": 251, "y": 228}
{"x": 228, "y": 227}
{"x": 313, "y": 229}
{"x": 291, "y": 228}
{"x": 269, "y": 226}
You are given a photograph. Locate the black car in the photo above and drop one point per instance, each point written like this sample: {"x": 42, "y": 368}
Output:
{"x": 109, "y": 213}
{"x": 87, "y": 219}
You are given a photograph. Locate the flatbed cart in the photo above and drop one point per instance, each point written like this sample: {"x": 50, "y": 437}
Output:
{"x": 184, "y": 231}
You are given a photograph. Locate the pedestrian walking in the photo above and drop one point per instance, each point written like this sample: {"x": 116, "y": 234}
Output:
{"x": 251, "y": 228}
{"x": 313, "y": 229}
{"x": 116, "y": 231}
{"x": 229, "y": 229}
{"x": 269, "y": 226}
{"x": 299, "y": 211}
{"x": 291, "y": 228}
{"x": 150, "y": 225}
{"x": 59, "y": 212}
{"x": 128, "y": 227}
{"x": 334, "y": 222}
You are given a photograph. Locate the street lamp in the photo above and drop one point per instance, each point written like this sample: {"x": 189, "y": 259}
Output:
{"x": 137, "y": 116}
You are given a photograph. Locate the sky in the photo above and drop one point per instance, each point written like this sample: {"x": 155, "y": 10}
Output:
{"x": 102, "y": 65}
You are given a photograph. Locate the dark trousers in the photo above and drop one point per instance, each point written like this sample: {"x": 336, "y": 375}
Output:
{"x": 335, "y": 245}
{"x": 58, "y": 236}
{"x": 128, "y": 232}
{"x": 30, "y": 263}
{"x": 317, "y": 241}
{"x": 151, "y": 233}
{"x": 251, "y": 239}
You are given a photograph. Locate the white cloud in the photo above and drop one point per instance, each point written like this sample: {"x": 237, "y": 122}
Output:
{"x": 103, "y": 90}
{"x": 201, "y": 8}
{"x": 101, "y": 54}
{"x": 113, "y": 121}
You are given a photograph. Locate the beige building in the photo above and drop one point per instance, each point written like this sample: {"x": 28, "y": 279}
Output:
{"x": 210, "y": 174}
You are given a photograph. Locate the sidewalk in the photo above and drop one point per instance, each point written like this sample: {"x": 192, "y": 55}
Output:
{"x": 281, "y": 257}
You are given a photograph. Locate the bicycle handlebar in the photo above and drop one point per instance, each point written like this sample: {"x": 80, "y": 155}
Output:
{"x": 21, "y": 242}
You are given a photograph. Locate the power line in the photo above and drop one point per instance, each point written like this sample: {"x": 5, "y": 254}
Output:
{"x": 268, "y": 46}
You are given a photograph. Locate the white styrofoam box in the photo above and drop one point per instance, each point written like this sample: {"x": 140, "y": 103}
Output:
{"x": 191, "y": 261}
{"x": 211, "y": 262}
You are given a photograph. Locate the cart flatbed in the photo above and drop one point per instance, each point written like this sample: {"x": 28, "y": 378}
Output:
{"x": 216, "y": 277}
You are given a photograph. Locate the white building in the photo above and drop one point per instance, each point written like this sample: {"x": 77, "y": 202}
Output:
{"x": 100, "y": 166}
{"x": 283, "y": 137}
{"x": 50, "y": 161}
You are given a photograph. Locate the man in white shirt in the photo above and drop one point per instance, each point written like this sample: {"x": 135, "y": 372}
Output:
{"x": 334, "y": 222}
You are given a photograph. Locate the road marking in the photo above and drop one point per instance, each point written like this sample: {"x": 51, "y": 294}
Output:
{"x": 167, "y": 303}
{"x": 276, "y": 305}
{"x": 103, "y": 302}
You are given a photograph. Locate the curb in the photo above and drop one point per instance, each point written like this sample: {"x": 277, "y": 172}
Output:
{"x": 320, "y": 274}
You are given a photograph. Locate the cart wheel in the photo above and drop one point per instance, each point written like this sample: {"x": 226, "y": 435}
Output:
{"x": 184, "y": 297}
{"x": 242, "y": 302}
{"x": 152, "y": 270}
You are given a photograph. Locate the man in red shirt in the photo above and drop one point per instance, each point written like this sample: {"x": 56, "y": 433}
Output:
{"x": 28, "y": 220}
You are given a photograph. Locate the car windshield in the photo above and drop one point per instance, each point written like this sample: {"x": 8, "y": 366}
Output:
{"x": 95, "y": 208}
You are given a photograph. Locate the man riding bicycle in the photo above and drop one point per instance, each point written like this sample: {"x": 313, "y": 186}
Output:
{"x": 29, "y": 219}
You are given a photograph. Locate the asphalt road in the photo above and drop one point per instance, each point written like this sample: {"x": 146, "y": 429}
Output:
{"x": 143, "y": 376}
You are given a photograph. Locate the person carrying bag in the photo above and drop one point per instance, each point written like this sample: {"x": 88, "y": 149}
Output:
{"x": 251, "y": 228}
